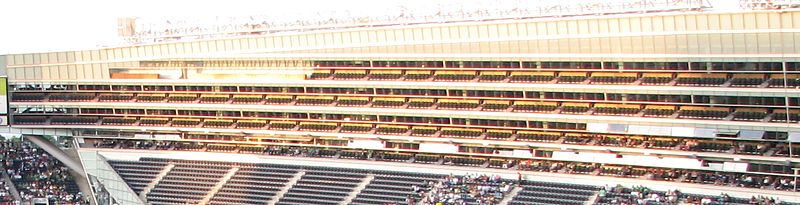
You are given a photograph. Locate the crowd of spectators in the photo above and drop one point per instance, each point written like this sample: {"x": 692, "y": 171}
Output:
{"x": 36, "y": 174}
{"x": 660, "y": 174}
{"x": 620, "y": 195}
{"x": 5, "y": 193}
{"x": 469, "y": 189}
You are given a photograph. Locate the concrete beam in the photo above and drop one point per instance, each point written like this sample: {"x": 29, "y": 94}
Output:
{"x": 51, "y": 148}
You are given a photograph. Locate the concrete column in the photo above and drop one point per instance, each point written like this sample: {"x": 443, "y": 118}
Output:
{"x": 49, "y": 147}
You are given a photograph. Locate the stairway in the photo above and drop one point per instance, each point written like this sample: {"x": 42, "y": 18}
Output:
{"x": 152, "y": 184}
{"x": 219, "y": 185}
{"x": 286, "y": 187}
{"x": 358, "y": 189}
{"x": 510, "y": 196}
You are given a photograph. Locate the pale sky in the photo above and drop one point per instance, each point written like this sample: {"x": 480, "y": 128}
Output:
{"x": 57, "y": 25}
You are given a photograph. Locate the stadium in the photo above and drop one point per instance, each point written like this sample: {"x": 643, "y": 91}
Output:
{"x": 556, "y": 103}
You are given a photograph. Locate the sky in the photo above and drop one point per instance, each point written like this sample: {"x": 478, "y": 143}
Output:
{"x": 56, "y": 25}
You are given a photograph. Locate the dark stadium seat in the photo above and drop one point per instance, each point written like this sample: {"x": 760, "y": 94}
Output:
{"x": 781, "y": 80}
{"x": 613, "y": 78}
{"x": 385, "y": 74}
{"x": 279, "y": 99}
{"x": 359, "y": 128}
{"x": 388, "y": 102}
{"x": 420, "y": 102}
{"x": 27, "y": 97}
{"x": 349, "y": 74}
{"x": 782, "y": 115}
{"x": 701, "y": 79}
{"x": 318, "y": 126}
{"x": 659, "y": 110}
{"x": 247, "y": 99}
{"x": 214, "y": 98}
{"x": 750, "y": 114}
{"x": 572, "y": 77}
{"x": 499, "y": 134}
{"x": 528, "y": 76}
{"x": 115, "y": 97}
{"x": 616, "y": 109}
{"x": 575, "y": 107}
{"x": 352, "y": 101}
{"x": 182, "y": 98}
{"x": 492, "y": 76}
{"x": 537, "y": 136}
{"x": 747, "y": 80}
{"x": 458, "y": 103}
{"x": 282, "y": 125}
{"x": 320, "y": 74}
{"x": 423, "y": 131}
{"x": 315, "y": 100}
{"x": 72, "y": 97}
{"x": 461, "y": 132}
{"x": 151, "y": 97}
{"x": 445, "y": 75}
{"x": 704, "y": 112}
{"x": 118, "y": 120}
{"x": 391, "y": 129}
{"x": 496, "y": 105}
{"x": 656, "y": 78}
{"x": 418, "y": 75}
{"x": 527, "y": 106}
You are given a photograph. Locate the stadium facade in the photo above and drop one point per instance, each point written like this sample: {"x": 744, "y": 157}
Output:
{"x": 689, "y": 91}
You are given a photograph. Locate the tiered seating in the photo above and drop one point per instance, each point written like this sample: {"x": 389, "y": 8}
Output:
{"x": 187, "y": 183}
{"x": 25, "y": 120}
{"x": 462, "y": 132}
{"x": 622, "y": 171}
{"x": 528, "y": 76}
{"x": 616, "y": 109}
{"x": 553, "y": 193}
{"x": 137, "y": 174}
{"x": 220, "y": 123}
{"x": 575, "y": 107}
{"x": 351, "y": 127}
{"x": 315, "y": 100}
{"x": 747, "y": 80}
{"x": 777, "y": 80}
{"x": 73, "y": 97}
{"x": 464, "y": 161}
{"x": 498, "y": 134}
{"x": 750, "y": 114}
{"x": 349, "y": 74}
{"x": 282, "y": 125}
{"x": 420, "y": 102}
{"x": 279, "y": 99}
{"x": 662, "y": 143}
{"x": 613, "y": 78}
{"x": 151, "y": 97}
{"x": 119, "y": 120}
{"x": 447, "y": 75}
{"x": 253, "y": 184}
{"x": 352, "y": 101}
{"x": 426, "y": 158}
{"x": 323, "y": 187}
{"x": 752, "y": 148}
{"x": 423, "y": 131}
{"x": 659, "y": 110}
{"x": 781, "y": 115}
{"x": 525, "y": 106}
{"x": 492, "y": 76}
{"x": 115, "y": 97}
{"x": 153, "y": 121}
{"x": 318, "y": 126}
{"x": 459, "y": 103}
{"x": 388, "y": 102}
{"x": 784, "y": 151}
{"x": 185, "y": 122}
{"x": 391, "y": 187}
{"x": 252, "y": 149}
{"x": 501, "y": 163}
{"x": 73, "y": 120}
{"x": 251, "y": 124}
{"x": 537, "y": 136}
{"x": 27, "y": 97}
{"x": 214, "y": 98}
{"x": 391, "y": 129}
{"x": 418, "y": 75}
{"x": 656, "y": 78}
{"x": 712, "y": 146}
{"x": 182, "y": 97}
{"x": 354, "y": 154}
{"x": 385, "y": 74}
{"x": 247, "y": 99}
{"x": 395, "y": 157}
{"x": 572, "y": 77}
{"x": 320, "y": 74}
{"x": 221, "y": 147}
{"x": 496, "y": 104}
{"x": 704, "y": 112}
{"x": 702, "y": 79}
{"x": 577, "y": 138}
{"x": 191, "y": 146}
